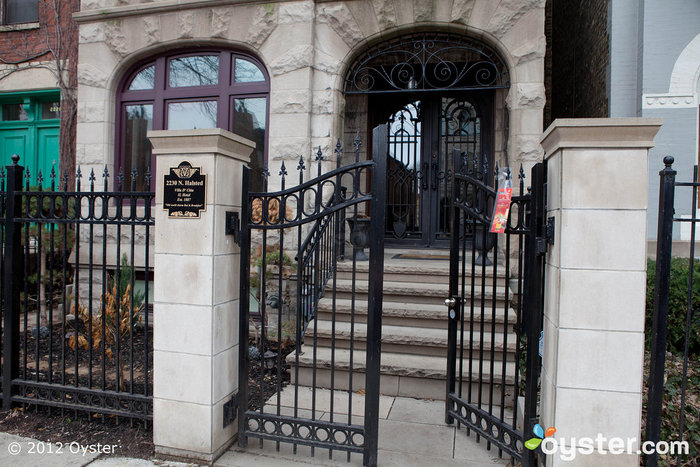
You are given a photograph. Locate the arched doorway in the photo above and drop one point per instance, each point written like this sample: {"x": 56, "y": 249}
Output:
{"x": 438, "y": 92}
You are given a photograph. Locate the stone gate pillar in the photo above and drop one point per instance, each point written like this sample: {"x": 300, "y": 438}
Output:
{"x": 595, "y": 286}
{"x": 195, "y": 348}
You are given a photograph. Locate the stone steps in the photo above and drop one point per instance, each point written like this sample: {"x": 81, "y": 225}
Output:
{"x": 414, "y": 328}
{"x": 411, "y": 340}
{"x": 411, "y": 292}
{"x": 422, "y": 272}
{"x": 408, "y": 314}
{"x": 419, "y": 376}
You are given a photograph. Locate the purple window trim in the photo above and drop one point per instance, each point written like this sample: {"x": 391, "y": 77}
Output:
{"x": 225, "y": 92}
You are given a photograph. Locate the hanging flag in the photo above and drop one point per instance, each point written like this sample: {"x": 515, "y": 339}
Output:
{"x": 500, "y": 210}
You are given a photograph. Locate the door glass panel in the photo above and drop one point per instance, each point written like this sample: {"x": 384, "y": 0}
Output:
{"x": 14, "y": 112}
{"x": 145, "y": 79}
{"x": 198, "y": 70}
{"x": 137, "y": 148}
{"x": 406, "y": 174}
{"x": 191, "y": 115}
{"x": 50, "y": 110}
{"x": 249, "y": 121}
{"x": 247, "y": 72}
{"x": 460, "y": 129}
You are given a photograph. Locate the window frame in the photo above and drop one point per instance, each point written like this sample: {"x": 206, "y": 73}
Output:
{"x": 224, "y": 93}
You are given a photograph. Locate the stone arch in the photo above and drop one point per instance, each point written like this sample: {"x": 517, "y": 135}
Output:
{"x": 685, "y": 77}
{"x": 354, "y": 108}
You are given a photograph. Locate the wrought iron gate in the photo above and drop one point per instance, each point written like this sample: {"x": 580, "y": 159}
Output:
{"x": 495, "y": 309}
{"x": 298, "y": 233}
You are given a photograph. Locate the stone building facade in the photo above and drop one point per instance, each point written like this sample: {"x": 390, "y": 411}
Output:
{"x": 304, "y": 51}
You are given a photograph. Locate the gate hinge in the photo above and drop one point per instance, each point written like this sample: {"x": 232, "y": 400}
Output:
{"x": 230, "y": 410}
{"x": 233, "y": 226}
{"x": 548, "y": 238}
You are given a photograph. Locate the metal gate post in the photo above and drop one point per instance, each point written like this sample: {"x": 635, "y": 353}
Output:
{"x": 244, "y": 310}
{"x": 12, "y": 269}
{"x": 532, "y": 313}
{"x": 375, "y": 293}
{"x": 660, "y": 317}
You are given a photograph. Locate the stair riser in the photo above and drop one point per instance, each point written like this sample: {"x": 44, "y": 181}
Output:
{"x": 434, "y": 299}
{"x": 404, "y": 386}
{"x": 411, "y": 322}
{"x": 410, "y": 349}
{"x": 420, "y": 278}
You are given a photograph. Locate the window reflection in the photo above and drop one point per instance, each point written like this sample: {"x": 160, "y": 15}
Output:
{"x": 13, "y": 112}
{"x": 249, "y": 122}
{"x": 144, "y": 80}
{"x": 50, "y": 110}
{"x": 247, "y": 72}
{"x": 137, "y": 148}
{"x": 191, "y": 115}
{"x": 198, "y": 70}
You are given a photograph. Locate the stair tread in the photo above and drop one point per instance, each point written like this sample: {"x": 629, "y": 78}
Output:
{"x": 410, "y": 335}
{"x": 410, "y": 310}
{"x": 406, "y": 267}
{"x": 410, "y": 288}
{"x": 419, "y": 366}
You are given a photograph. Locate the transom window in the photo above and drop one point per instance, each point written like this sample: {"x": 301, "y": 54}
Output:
{"x": 203, "y": 89}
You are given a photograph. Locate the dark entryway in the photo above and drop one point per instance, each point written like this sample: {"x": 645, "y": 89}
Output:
{"x": 425, "y": 129}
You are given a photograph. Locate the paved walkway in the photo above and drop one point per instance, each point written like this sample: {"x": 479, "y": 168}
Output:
{"x": 411, "y": 433}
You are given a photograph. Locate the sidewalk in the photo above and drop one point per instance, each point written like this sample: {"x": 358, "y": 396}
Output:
{"x": 411, "y": 433}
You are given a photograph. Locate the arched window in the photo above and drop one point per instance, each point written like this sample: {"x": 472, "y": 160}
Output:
{"x": 198, "y": 89}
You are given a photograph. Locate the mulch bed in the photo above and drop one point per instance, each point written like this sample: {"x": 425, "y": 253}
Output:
{"x": 134, "y": 439}
{"x": 268, "y": 385}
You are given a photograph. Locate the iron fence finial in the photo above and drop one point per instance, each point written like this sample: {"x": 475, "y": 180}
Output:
{"x": 668, "y": 161}
{"x": 15, "y": 159}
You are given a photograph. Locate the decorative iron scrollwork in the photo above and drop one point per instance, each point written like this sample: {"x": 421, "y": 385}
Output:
{"x": 427, "y": 61}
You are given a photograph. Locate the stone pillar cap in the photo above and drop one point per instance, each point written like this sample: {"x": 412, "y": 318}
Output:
{"x": 600, "y": 133}
{"x": 201, "y": 141}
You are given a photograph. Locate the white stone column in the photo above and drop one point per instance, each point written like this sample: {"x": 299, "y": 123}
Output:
{"x": 196, "y": 272}
{"x": 595, "y": 285}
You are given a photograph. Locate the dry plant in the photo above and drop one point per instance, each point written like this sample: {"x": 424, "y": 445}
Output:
{"x": 113, "y": 325}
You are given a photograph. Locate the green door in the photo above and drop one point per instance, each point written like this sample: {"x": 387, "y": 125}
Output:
{"x": 47, "y": 152}
{"x": 29, "y": 127}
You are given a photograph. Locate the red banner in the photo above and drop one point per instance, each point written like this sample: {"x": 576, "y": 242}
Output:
{"x": 500, "y": 211}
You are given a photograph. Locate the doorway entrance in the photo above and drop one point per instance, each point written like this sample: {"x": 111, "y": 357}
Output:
{"x": 424, "y": 132}
{"x": 438, "y": 93}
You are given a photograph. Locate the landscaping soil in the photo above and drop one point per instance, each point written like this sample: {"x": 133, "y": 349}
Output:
{"x": 133, "y": 439}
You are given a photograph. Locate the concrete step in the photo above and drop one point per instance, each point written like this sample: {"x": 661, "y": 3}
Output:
{"x": 419, "y": 376}
{"x": 411, "y": 340}
{"x": 423, "y": 315}
{"x": 411, "y": 292}
{"x": 416, "y": 271}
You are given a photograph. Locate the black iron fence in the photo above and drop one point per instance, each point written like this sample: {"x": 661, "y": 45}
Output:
{"x": 76, "y": 293}
{"x": 673, "y": 408}
{"x": 297, "y": 382}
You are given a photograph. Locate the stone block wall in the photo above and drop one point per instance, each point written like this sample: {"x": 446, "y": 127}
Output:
{"x": 307, "y": 47}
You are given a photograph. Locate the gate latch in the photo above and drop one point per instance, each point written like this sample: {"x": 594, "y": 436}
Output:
{"x": 230, "y": 410}
{"x": 233, "y": 226}
{"x": 548, "y": 238}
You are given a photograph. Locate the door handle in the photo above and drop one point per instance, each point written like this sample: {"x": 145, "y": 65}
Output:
{"x": 424, "y": 175}
{"x": 434, "y": 170}
{"x": 451, "y": 304}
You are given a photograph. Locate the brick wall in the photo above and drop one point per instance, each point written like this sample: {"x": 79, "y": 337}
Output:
{"x": 56, "y": 37}
{"x": 580, "y": 56}
{"x": 31, "y": 44}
